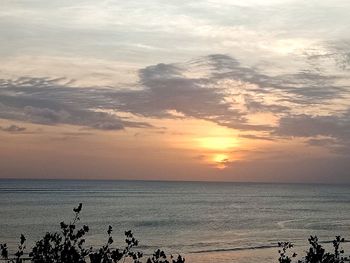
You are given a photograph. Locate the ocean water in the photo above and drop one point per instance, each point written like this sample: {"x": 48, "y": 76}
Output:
{"x": 228, "y": 222}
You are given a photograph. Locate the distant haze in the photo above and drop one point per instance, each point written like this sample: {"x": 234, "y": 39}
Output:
{"x": 255, "y": 90}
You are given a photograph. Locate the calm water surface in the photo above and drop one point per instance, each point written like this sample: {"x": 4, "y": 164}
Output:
{"x": 192, "y": 218}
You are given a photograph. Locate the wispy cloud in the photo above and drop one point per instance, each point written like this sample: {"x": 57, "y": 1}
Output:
{"x": 13, "y": 129}
{"x": 216, "y": 88}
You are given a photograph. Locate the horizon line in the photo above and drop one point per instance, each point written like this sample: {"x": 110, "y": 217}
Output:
{"x": 176, "y": 181}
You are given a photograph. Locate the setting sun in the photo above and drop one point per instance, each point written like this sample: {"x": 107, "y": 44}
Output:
{"x": 221, "y": 160}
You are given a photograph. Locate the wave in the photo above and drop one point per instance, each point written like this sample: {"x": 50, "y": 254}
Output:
{"x": 282, "y": 224}
{"x": 257, "y": 247}
{"x": 236, "y": 248}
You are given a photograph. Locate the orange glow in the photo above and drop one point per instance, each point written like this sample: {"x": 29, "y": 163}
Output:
{"x": 219, "y": 149}
{"x": 217, "y": 143}
{"x": 212, "y": 142}
{"x": 221, "y": 160}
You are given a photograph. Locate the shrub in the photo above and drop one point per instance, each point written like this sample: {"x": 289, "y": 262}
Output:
{"x": 67, "y": 246}
{"x": 315, "y": 254}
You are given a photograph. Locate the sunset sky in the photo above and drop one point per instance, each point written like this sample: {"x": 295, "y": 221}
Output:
{"x": 218, "y": 90}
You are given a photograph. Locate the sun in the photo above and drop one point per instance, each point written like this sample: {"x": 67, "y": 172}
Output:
{"x": 221, "y": 160}
{"x": 218, "y": 149}
{"x": 208, "y": 143}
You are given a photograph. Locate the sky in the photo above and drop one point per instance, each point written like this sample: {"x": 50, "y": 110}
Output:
{"x": 212, "y": 90}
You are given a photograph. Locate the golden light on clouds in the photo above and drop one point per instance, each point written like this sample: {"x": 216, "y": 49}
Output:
{"x": 217, "y": 143}
{"x": 213, "y": 144}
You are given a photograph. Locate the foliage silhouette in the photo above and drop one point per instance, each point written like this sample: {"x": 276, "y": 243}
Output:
{"x": 67, "y": 246}
{"x": 315, "y": 254}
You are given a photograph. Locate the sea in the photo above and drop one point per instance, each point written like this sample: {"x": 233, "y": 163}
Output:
{"x": 203, "y": 221}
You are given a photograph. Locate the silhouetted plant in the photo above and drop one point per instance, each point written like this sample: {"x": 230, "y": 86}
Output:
{"x": 4, "y": 253}
{"x": 18, "y": 255}
{"x": 338, "y": 252}
{"x": 316, "y": 253}
{"x": 282, "y": 251}
{"x": 160, "y": 257}
{"x": 67, "y": 246}
{"x": 63, "y": 247}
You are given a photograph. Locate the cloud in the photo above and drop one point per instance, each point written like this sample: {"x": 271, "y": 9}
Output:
{"x": 335, "y": 51}
{"x": 44, "y": 101}
{"x": 217, "y": 88}
{"x": 322, "y": 142}
{"x": 13, "y": 129}
{"x": 311, "y": 126}
{"x": 165, "y": 88}
{"x": 46, "y": 115}
{"x": 331, "y": 131}
{"x": 256, "y": 137}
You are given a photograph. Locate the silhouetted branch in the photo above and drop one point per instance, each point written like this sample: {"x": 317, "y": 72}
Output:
{"x": 67, "y": 246}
